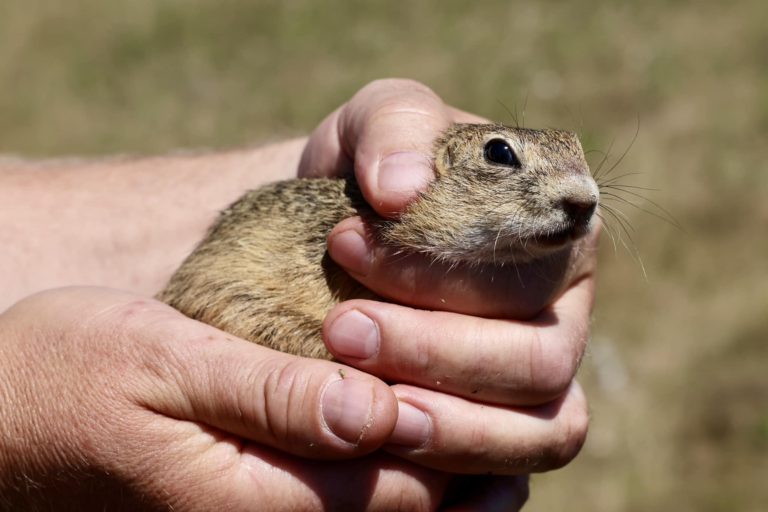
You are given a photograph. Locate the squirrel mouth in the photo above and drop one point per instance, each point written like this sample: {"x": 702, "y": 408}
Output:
{"x": 525, "y": 249}
{"x": 555, "y": 239}
{"x": 559, "y": 237}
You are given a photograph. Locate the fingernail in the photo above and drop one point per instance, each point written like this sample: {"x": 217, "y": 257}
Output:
{"x": 355, "y": 335}
{"x": 350, "y": 250}
{"x": 346, "y": 408}
{"x": 404, "y": 172}
{"x": 413, "y": 428}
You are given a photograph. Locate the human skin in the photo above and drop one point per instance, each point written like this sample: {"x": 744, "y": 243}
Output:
{"x": 119, "y": 401}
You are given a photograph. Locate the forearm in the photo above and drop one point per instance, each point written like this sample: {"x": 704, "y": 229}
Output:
{"x": 124, "y": 223}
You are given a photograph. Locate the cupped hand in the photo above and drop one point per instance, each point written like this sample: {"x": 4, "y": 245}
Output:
{"x": 483, "y": 357}
{"x": 475, "y": 395}
{"x": 113, "y": 401}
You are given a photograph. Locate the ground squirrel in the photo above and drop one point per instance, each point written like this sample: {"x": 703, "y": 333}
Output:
{"x": 501, "y": 195}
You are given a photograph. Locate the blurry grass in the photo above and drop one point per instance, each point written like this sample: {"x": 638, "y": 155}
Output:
{"x": 676, "y": 375}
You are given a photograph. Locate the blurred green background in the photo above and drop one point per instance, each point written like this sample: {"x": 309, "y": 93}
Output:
{"x": 677, "y": 372}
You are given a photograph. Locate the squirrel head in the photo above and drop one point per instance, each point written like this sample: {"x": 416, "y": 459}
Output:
{"x": 500, "y": 195}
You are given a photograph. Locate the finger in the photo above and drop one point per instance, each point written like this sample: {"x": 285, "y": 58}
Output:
{"x": 377, "y": 482}
{"x": 473, "y": 438}
{"x": 513, "y": 291}
{"x": 388, "y": 130}
{"x": 324, "y": 155}
{"x": 191, "y": 371}
{"x": 391, "y": 126}
{"x": 501, "y": 361}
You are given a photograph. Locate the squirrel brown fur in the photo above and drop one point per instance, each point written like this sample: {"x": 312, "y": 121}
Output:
{"x": 501, "y": 195}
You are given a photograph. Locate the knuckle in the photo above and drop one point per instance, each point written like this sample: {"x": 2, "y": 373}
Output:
{"x": 413, "y": 350}
{"x": 398, "y": 85}
{"x": 139, "y": 335}
{"x": 490, "y": 350}
{"x": 478, "y": 439}
{"x": 285, "y": 386}
{"x": 574, "y": 436}
{"x": 403, "y": 491}
{"x": 134, "y": 314}
{"x": 424, "y": 356}
{"x": 421, "y": 106}
{"x": 569, "y": 435}
{"x": 399, "y": 96}
{"x": 135, "y": 323}
{"x": 553, "y": 365}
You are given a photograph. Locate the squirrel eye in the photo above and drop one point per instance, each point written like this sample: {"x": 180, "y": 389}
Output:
{"x": 499, "y": 152}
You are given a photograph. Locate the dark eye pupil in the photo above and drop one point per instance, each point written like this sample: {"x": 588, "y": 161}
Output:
{"x": 499, "y": 152}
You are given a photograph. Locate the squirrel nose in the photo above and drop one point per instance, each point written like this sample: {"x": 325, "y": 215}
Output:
{"x": 579, "y": 208}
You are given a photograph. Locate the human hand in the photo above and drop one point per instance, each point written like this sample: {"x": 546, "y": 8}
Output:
{"x": 465, "y": 371}
{"x": 113, "y": 401}
{"x": 168, "y": 421}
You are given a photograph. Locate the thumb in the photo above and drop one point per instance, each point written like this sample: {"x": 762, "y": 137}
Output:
{"x": 307, "y": 407}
